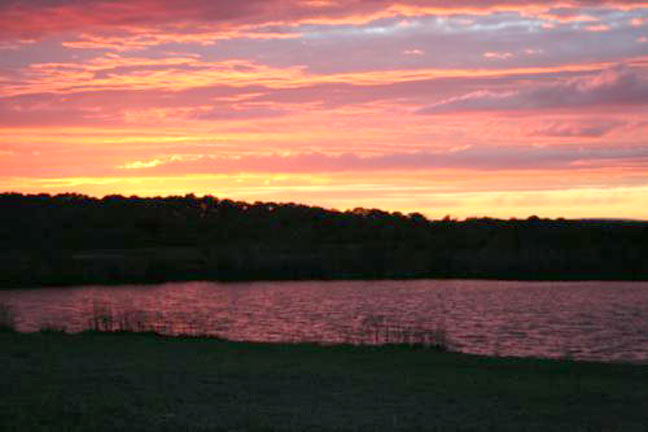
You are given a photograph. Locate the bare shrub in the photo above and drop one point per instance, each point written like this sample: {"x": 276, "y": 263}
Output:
{"x": 377, "y": 330}
{"x": 52, "y": 327}
{"x": 7, "y": 318}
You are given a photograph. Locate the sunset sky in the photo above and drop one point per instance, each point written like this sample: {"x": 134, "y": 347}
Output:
{"x": 466, "y": 107}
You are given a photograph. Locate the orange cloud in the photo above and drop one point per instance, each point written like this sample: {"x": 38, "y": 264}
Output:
{"x": 597, "y": 28}
{"x": 113, "y": 72}
{"x": 136, "y": 39}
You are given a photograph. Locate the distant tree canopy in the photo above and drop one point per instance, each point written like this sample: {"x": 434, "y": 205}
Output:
{"x": 72, "y": 238}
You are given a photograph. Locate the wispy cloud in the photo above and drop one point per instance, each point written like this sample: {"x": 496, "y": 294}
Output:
{"x": 479, "y": 159}
{"x": 581, "y": 128}
{"x": 44, "y": 16}
{"x": 616, "y": 86}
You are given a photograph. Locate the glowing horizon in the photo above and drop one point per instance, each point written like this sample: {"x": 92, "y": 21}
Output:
{"x": 502, "y": 108}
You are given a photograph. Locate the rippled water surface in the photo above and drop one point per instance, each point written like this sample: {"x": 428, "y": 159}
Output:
{"x": 582, "y": 320}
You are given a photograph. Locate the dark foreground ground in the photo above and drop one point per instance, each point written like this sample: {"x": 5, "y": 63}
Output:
{"x": 146, "y": 382}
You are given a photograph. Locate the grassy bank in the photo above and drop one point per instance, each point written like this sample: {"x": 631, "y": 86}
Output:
{"x": 93, "y": 381}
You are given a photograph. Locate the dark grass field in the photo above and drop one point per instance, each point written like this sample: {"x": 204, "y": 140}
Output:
{"x": 110, "y": 382}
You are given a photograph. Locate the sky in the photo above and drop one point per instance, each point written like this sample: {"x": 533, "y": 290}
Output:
{"x": 468, "y": 108}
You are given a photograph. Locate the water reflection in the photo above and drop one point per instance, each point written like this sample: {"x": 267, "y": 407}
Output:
{"x": 584, "y": 320}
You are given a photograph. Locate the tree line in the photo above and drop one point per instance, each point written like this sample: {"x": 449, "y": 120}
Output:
{"x": 75, "y": 239}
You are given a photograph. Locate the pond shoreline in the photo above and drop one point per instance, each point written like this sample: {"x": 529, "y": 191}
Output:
{"x": 60, "y": 281}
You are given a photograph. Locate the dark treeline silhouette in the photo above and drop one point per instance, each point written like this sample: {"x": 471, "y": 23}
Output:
{"x": 75, "y": 239}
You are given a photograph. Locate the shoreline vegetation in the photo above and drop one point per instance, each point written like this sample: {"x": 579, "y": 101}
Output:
{"x": 375, "y": 330}
{"x": 142, "y": 381}
{"x": 72, "y": 239}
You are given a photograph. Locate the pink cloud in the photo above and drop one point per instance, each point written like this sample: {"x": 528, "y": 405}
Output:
{"x": 413, "y": 52}
{"x": 498, "y": 55}
{"x": 613, "y": 87}
{"x": 587, "y": 129}
{"x": 39, "y": 17}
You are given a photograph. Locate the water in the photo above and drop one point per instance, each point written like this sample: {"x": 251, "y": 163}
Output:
{"x": 605, "y": 321}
